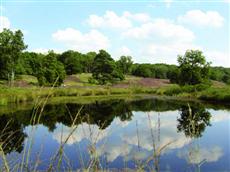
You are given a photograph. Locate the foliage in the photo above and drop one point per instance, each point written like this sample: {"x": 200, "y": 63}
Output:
{"x": 159, "y": 71}
{"x": 105, "y": 69}
{"x": 193, "y": 68}
{"x": 72, "y": 62}
{"x": 12, "y": 45}
{"x": 143, "y": 70}
{"x": 50, "y": 71}
{"x": 125, "y": 64}
{"x": 76, "y": 62}
{"x": 29, "y": 63}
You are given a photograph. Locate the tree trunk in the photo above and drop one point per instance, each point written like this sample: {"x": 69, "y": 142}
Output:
{"x": 11, "y": 77}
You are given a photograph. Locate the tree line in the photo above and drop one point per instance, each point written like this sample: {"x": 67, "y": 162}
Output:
{"x": 52, "y": 68}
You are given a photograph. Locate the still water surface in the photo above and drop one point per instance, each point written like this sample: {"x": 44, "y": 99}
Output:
{"x": 150, "y": 134}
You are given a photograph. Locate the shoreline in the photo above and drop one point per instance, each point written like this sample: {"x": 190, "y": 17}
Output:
{"x": 18, "y": 95}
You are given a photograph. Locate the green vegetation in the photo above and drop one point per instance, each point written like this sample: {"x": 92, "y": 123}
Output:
{"x": 50, "y": 71}
{"x": 193, "y": 68}
{"x": 11, "y": 47}
{"x": 30, "y": 94}
{"x": 105, "y": 69}
{"x": 102, "y": 75}
{"x": 125, "y": 64}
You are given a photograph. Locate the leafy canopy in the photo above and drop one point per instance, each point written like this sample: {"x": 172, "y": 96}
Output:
{"x": 125, "y": 64}
{"x": 104, "y": 69}
{"x": 193, "y": 68}
{"x": 50, "y": 70}
{"x": 11, "y": 46}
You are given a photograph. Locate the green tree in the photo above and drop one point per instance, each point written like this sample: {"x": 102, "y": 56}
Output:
{"x": 87, "y": 61}
{"x": 226, "y": 79}
{"x": 50, "y": 70}
{"x": 161, "y": 71}
{"x": 27, "y": 63}
{"x": 143, "y": 70}
{"x": 193, "y": 68}
{"x": 105, "y": 69}
{"x": 125, "y": 64}
{"x": 12, "y": 45}
{"x": 72, "y": 62}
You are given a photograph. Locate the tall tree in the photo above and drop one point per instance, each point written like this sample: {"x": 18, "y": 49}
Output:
{"x": 12, "y": 45}
{"x": 193, "y": 68}
{"x": 105, "y": 69}
{"x": 125, "y": 64}
{"x": 87, "y": 61}
{"x": 50, "y": 71}
{"x": 72, "y": 62}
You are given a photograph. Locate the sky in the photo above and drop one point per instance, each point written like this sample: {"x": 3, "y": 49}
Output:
{"x": 149, "y": 31}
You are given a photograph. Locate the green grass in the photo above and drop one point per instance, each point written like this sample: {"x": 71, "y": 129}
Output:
{"x": 84, "y": 77}
{"x": 19, "y": 95}
{"x": 217, "y": 92}
{"x": 28, "y": 78}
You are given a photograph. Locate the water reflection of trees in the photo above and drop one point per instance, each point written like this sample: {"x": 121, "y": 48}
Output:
{"x": 11, "y": 134}
{"x": 193, "y": 120}
{"x": 99, "y": 113}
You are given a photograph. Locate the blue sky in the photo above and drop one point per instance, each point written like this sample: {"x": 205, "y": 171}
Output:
{"x": 149, "y": 31}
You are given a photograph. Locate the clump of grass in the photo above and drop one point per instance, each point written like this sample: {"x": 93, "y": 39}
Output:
{"x": 216, "y": 94}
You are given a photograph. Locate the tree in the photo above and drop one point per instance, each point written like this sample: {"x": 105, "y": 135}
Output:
{"x": 143, "y": 70}
{"x": 28, "y": 63}
{"x": 125, "y": 64}
{"x": 105, "y": 69}
{"x": 50, "y": 70}
{"x": 87, "y": 61}
{"x": 12, "y": 45}
{"x": 72, "y": 62}
{"x": 193, "y": 68}
{"x": 161, "y": 71}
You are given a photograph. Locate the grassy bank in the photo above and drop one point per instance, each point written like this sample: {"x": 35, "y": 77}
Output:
{"x": 19, "y": 95}
{"x": 26, "y": 89}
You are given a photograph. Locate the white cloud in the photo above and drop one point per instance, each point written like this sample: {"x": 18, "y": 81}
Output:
{"x": 112, "y": 20}
{"x": 125, "y": 50}
{"x": 161, "y": 41}
{"x": 162, "y": 28}
{"x": 120, "y": 138}
{"x": 140, "y": 17}
{"x": 219, "y": 115}
{"x": 200, "y": 18}
{"x": 83, "y": 131}
{"x": 151, "y": 39}
{"x": 75, "y": 39}
{"x": 218, "y": 58}
{"x": 165, "y": 53}
{"x": 168, "y": 131}
{"x": 197, "y": 155}
{"x": 4, "y": 23}
{"x": 109, "y": 19}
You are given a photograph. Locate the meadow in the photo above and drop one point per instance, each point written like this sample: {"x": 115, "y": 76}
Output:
{"x": 26, "y": 89}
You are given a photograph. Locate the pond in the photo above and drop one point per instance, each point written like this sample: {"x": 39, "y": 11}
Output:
{"x": 116, "y": 135}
